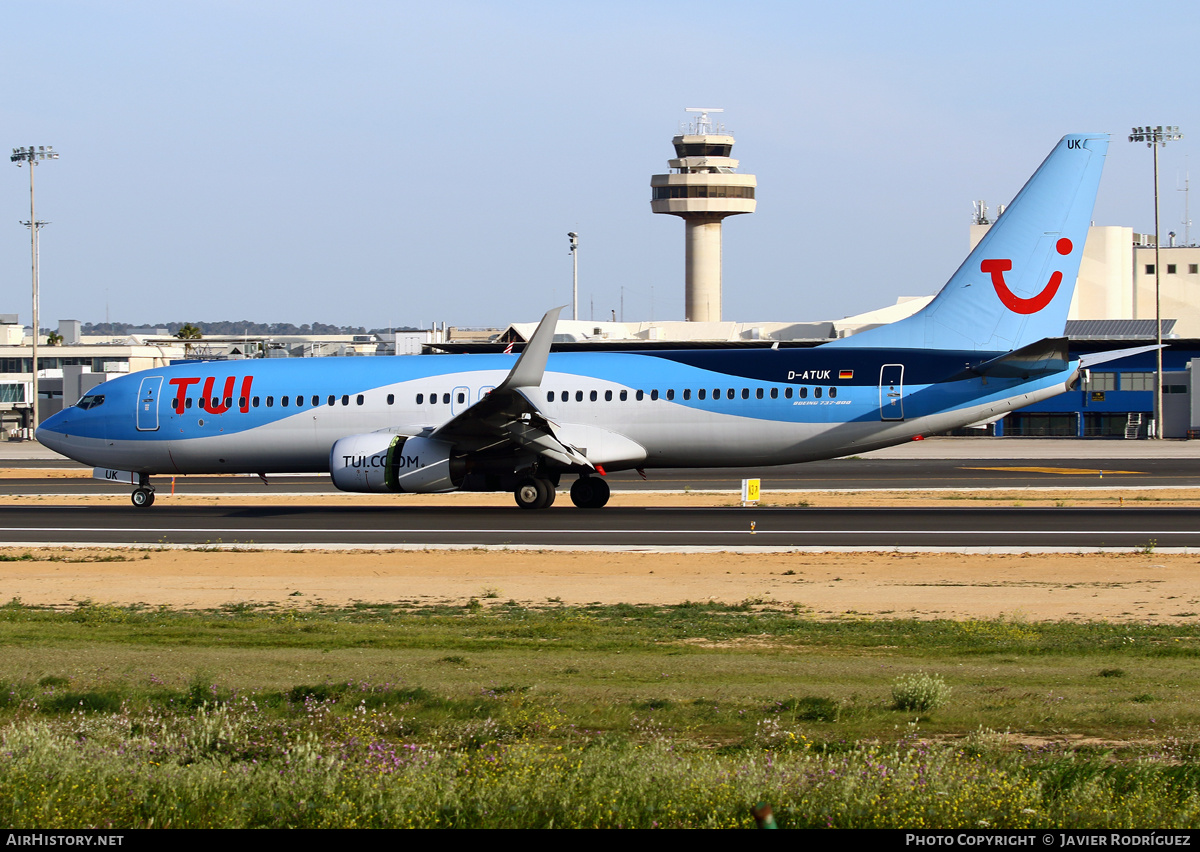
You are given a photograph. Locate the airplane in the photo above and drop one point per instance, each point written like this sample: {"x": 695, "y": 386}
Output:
{"x": 990, "y": 342}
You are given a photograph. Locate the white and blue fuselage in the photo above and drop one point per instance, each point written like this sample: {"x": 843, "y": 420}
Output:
{"x": 691, "y": 408}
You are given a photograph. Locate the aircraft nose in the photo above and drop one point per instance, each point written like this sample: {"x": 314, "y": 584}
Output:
{"x": 52, "y": 432}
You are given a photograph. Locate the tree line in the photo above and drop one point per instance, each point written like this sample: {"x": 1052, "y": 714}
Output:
{"x": 232, "y": 328}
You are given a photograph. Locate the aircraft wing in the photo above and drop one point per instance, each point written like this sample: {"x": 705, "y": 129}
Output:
{"x": 508, "y": 416}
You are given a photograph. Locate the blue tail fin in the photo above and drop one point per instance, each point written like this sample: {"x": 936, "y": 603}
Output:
{"x": 1015, "y": 288}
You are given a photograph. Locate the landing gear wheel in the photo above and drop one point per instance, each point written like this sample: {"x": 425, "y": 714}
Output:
{"x": 534, "y": 494}
{"x": 588, "y": 492}
{"x": 143, "y": 498}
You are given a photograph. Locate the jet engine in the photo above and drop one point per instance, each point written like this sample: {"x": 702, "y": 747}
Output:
{"x": 379, "y": 462}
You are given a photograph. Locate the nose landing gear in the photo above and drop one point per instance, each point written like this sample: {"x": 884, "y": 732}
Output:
{"x": 143, "y": 495}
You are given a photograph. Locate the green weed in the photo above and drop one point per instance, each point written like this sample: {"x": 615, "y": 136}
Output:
{"x": 920, "y": 692}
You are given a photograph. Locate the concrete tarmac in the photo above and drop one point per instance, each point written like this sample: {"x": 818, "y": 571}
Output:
{"x": 615, "y": 528}
{"x": 13, "y": 453}
{"x": 941, "y": 462}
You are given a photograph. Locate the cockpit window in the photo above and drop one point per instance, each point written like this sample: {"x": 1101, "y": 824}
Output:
{"x": 91, "y": 400}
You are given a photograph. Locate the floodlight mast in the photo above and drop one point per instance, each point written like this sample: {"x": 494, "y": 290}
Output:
{"x": 1155, "y": 138}
{"x": 32, "y": 155}
{"x": 574, "y": 238}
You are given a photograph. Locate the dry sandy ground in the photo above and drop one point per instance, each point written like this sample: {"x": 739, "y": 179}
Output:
{"x": 1136, "y": 587}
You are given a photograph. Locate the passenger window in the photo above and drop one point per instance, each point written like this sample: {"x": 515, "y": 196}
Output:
{"x": 700, "y": 394}
{"x": 445, "y": 399}
{"x": 332, "y": 398}
{"x": 229, "y": 402}
{"x": 774, "y": 393}
{"x": 345, "y": 399}
{"x": 670, "y": 393}
{"x": 420, "y": 399}
{"x": 462, "y": 397}
{"x": 391, "y": 399}
{"x": 579, "y": 396}
{"x": 731, "y": 393}
{"x": 549, "y": 396}
{"x": 253, "y": 402}
{"x": 787, "y": 392}
{"x": 745, "y": 393}
{"x": 687, "y": 393}
{"x": 316, "y": 400}
{"x": 594, "y": 396}
{"x": 433, "y": 399}
{"x": 608, "y": 396}
{"x": 639, "y": 395}
{"x": 283, "y": 400}
{"x": 758, "y": 393}
{"x": 654, "y": 394}
{"x": 299, "y": 402}
{"x": 270, "y": 401}
{"x": 804, "y": 393}
{"x": 360, "y": 399}
{"x": 624, "y": 396}
{"x": 817, "y": 393}
{"x": 832, "y": 393}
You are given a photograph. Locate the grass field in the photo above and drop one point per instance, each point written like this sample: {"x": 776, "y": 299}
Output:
{"x": 499, "y": 714}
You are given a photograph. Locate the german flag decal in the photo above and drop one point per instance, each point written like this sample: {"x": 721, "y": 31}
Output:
{"x": 845, "y": 374}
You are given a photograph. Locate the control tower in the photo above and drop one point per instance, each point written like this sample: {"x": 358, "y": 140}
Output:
{"x": 703, "y": 189}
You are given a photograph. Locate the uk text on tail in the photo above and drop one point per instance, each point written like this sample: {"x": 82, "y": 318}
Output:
{"x": 1015, "y": 288}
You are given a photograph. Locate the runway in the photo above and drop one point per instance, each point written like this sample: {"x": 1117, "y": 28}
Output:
{"x": 625, "y": 528}
{"x": 410, "y": 524}
{"x": 836, "y": 474}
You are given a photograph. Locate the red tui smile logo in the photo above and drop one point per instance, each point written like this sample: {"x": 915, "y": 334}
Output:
{"x": 997, "y": 268}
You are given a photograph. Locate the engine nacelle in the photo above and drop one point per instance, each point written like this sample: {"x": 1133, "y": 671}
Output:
{"x": 378, "y": 463}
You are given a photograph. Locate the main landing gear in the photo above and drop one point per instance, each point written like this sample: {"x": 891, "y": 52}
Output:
{"x": 535, "y": 493}
{"x": 587, "y": 492}
{"x": 143, "y": 495}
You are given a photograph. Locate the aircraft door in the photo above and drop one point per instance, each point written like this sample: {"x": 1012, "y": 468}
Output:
{"x": 460, "y": 400}
{"x": 891, "y": 392}
{"x": 147, "y": 405}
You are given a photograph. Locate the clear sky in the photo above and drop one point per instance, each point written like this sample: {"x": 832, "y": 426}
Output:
{"x": 380, "y": 163}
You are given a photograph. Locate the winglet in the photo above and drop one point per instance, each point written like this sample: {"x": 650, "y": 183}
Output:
{"x": 527, "y": 372}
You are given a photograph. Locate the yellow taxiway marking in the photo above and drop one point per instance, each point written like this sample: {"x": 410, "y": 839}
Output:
{"x": 1065, "y": 471}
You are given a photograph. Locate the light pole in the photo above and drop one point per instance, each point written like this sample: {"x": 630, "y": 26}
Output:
{"x": 32, "y": 155}
{"x": 1156, "y": 137}
{"x": 574, "y": 238}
